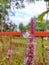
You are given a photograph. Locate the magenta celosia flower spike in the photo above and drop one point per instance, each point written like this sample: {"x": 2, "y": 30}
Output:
{"x": 48, "y": 38}
{"x": 48, "y": 55}
{"x": 9, "y": 54}
{"x": 30, "y": 51}
{"x": 10, "y": 45}
{"x": 32, "y": 26}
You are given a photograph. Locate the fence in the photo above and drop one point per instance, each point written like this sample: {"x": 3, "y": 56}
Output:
{"x": 19, "y": 33}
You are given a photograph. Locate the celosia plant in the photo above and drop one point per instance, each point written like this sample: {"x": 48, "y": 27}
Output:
{"x": 30, "y": 51}
{"x": 9, "y": 54}
{"x": 32, "y": 26}
{"x": 48, "y": 55}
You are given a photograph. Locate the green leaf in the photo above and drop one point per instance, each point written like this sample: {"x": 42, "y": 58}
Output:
{"x": 0, "y": 16}
{"x": 48, "y": 3}
{"x": 7, "y": 6}
{"x": 1, "y": 8}
{"x": 2, "y": 1}
{"x": 46, "y": 0}
{"x": 40, "y": 17}
{"x": 6, "y": 12}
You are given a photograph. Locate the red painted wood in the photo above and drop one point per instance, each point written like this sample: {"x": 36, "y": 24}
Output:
{"x": 41, "y": 33}
{"x": 11, "y": 33}
{"x": 19, "y": 33}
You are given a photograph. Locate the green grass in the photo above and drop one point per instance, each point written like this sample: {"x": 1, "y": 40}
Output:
{"x": 19, "y": 48}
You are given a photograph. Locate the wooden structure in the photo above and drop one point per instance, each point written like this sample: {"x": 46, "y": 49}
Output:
{"x": 19, "y": 33}
{"x": 10, "y": 33}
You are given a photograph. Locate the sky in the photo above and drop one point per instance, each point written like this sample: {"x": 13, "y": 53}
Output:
{"x": 24, "y": 15}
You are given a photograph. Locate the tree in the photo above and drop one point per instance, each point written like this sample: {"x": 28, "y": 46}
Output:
{"x": 40, "y": 26}
{"x": 3, "y": 13}
{"x": 21, "y": 27}
{"x": 27, "y": 27}
{"x": 40, "y": 17}
{"x": 47, "y": 24}
{"x": 14, "y": 27}
{"x": 20, "y": 3}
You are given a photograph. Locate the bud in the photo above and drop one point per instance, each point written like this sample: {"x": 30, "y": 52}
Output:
{"x": 32, "y": 26}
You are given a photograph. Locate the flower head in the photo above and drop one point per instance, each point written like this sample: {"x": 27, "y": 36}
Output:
{"x": 32, "y": 26}
{"x": 9, "y": 54}
{"x": 30, "y": 38}
{"x": 30, "y": 51}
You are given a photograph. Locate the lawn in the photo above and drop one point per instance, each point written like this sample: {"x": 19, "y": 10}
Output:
{"x": 19, "y": 48}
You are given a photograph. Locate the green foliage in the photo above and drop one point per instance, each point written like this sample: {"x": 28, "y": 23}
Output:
{"x": 7, "y": 6}
{"x": 3, "y": 13}
{"x": 21, "y": 27}
{"x": 40, "y": 17}
{"x": 48, "y": 3}
{"x": 0, "y": 16}
{"x": 18, "y": 50}
{"x": 46, "y": 0}
{"x": 3, "y": 1}
{"x": 27, "y": 27}
{"x": 47, "y": 24}
{"x": 40, "y": 26}
{"x": 6, "y": 12}
{"x": 19, "y": 45}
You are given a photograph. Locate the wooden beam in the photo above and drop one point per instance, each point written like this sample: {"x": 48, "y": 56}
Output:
{"x": 41, "y": 33}
{"x": 19, "y": 33}
{"x": 10, "y": 33}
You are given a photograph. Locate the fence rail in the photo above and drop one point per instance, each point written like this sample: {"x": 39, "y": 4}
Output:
{"x": 19, "y": 33}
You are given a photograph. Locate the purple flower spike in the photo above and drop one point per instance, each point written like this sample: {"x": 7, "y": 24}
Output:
{"x": 10, "y": 45}
{"x": 9, "y": 54}
{"x": 48, "y": 38}
{"x": 39, "y": 63}
{"x": 48, "y": 55}
{"x": 30, "y": 52}
{"x": 32, "y": 26}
